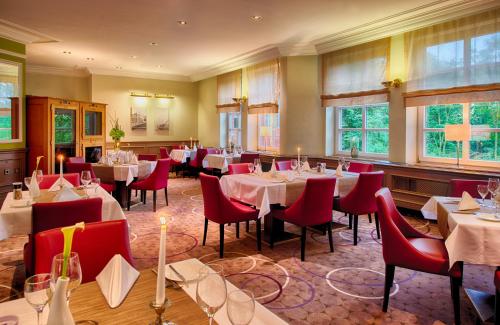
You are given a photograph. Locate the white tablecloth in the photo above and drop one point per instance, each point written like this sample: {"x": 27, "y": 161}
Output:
{"x": 182, "y": 155}
{"x": 262, "y": 191}
{"x": 125, "y": 172}
{"x": 219, "y": 161}
{"x": 17, "y": 221}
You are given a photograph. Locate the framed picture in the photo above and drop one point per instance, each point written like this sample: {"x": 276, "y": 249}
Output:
{"x": 162, "y": 119}
{"x": 138, "y": 118}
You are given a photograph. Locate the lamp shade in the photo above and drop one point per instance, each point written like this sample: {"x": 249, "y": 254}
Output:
{"x": 457, "y": 132}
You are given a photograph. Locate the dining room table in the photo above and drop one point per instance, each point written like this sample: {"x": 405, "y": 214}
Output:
{"x": 15, "y": 219}
{"x": 182, "y": 155}
{"x": 281, "y": 189}
{"x": 220, "y": 161}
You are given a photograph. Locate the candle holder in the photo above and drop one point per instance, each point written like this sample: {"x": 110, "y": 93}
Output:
{"x": 159, "y": 310}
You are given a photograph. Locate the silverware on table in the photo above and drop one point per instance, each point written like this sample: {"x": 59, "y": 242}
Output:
{"x": 183, "y": 279}
{"x": 168, "y": 283}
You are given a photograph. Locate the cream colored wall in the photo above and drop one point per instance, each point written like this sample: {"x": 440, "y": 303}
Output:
{"x": 208, "y": 118}
{"x": 67, "y": 87}
{"x": 115, "y": 91}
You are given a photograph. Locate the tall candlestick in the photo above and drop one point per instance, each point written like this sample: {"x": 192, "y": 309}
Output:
{"x": 191, "y": 139}
{"x": 298, "y": 155}
{"x": 160, "y": 280}
{"x": 61, "y": 158}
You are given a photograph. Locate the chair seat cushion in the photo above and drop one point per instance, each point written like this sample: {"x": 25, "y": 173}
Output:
{"x": 430, "y": 246}
{"x": 175, "y": 162}
{"x": 108, "y": 187}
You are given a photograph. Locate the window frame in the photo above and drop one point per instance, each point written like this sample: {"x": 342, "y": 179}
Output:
{"x": 228, "y": 128}
{"x": 17, "y": 129}
{"x": 269, "y": 148}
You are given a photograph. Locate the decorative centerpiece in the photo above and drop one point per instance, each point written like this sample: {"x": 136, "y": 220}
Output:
{"x": 116, "y": 132}
{"x": 354, "y": 147}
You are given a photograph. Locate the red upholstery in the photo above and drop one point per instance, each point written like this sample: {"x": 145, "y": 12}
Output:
{"x": 79, "y": 167}
{"x": 197, "y": 162}
{"x": 221, "y": 210}
{"x": 241, "y": 168}
{"x": 497, "y": 279}
{"x": 284, "y": 165}
{"x": 76, "y": 159}
{"x": 404, "y": 246}
{"x": 164, "y": 155}
{"x": 95, "y": 245}
{"x": 248, "y": 157}
{"x": 213, "y": 151}
{"x": 46, "y": 216}
{"x": 49, "y": 180}
{"x": 148, "y": 157}
{"x": 458, "y": 186}
{"x": 359, "y": 167}
{"x": 157, "y": 180}
{"x": 497, "y": 296}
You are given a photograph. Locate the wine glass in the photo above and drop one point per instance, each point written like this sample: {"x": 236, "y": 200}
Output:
{"x": 342, "y": 161}
{"x": 251, "y": 167}
{"x": 211, "y": 290}
{"x": 27, "y": 182}
{"x": 97, "y": 182}
{"x": 482, "y": 189}
{"x": 37, "y": 292}
{"x": 347, "y": 164}
{"x": 39, "y": 176}
{"x": 73, "y": 272}
{"x": 492, "y": 186}
{"x": 294, "y": 164}
{"x": 258, "y": 166}
{"x": 240, "y": 307}
{"x": 86, "y": 177}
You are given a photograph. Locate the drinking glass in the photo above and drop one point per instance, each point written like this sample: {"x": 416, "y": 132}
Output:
{"x": 211, "y": 290}
{"x": 294, "y": 164}
{"x": 37, "y": 292}
{"x": 492, "y": 186}
{"x": 347, "y": 164}
{"x": 258, "y": 166}
{"x": 27, "y": 182}
{"x": 240, "y": 307}
{"x": 342, "y": 161}
{"x": 74, "y": 271}
{"x": 97, "y": 182}
{"x": 251, "y": 167}
{"x": 483, "y": 191}
{"x": 39, "y": 175}
{"x": 86, "y": 177}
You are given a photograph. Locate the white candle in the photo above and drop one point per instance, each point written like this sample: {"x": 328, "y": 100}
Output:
{"x": 191, "y": 139}
{"x": 298, "y": 155}
{"x": 160, "y": 280}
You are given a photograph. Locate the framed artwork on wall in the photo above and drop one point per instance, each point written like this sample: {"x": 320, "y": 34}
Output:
{"x": 162, "y": 119}
{"x": 138, "y": 117}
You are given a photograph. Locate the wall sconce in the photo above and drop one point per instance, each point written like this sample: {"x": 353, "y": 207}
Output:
{"x": 164, "y": 96}
{"x": 396, "y": 83}
{"x": 240, "y": 100}
{"x": 139, "y": 94}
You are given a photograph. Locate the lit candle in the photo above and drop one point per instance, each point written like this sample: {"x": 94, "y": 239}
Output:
{"x": 191, "y": 139}
{"x": 61, "y": 158}
{"x": 298, "y": 155}
{"x": 160, "y": 281}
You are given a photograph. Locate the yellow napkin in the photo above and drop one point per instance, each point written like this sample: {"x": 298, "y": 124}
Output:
{"x": 468, "y": 202}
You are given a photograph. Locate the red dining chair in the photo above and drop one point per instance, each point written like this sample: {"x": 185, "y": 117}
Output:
{"x": 148, "y": 157}
{"x": 196, "y": 164}
{"x": 45, "y": 216}
{"x": 157, "y": 180}
{"x": 458, "y": 186}
{"x": 284, "y": 165}
{"x": 174, "y": 164}
{"x": 221, "y": 210}
{"x": 241, "y": 168}
{"x": 361, "y": 200}
{"x": 248, "y": 157}
{"x": 76, "y": 159}
{"x": 79, "y": 167}
{"x": 213, "y": 151}
{"x": 497, "y": 296}
{"x": 312, "y": 208}
{"x": 406, "y": 247}
{"x": 49, "y": 180}
{"x": 95, "y": 245}
{"x": 359, "y": 167}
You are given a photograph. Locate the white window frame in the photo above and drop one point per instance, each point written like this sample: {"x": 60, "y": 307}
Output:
{"x": 465, "y": 145}
{"x": 229, "y": 128}
{"x": 361, "y": 151}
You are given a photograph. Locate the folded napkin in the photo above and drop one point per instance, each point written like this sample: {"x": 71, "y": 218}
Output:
{"x": 66, "y": 194}
{"x": 468, "y": 202}
{"x": 116, "y": 280}
{"x": 194, "y": 148}
{"x": 57, "y": 185}
{"x": 338, "y": 171}
{"x": 34, "y": 188}
{"x": 224, "y": 152}
{"x": 258, "y": 169}
{"x": 306, "y": 167}
{"x": 186, "y": 148}
{"x": 134, "y": 160}
{"x": 273, "y": 167}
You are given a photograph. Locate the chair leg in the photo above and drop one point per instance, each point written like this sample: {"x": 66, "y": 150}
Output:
{"x": 303, "y": 244}
{"x": 369, "y": 217}
{"x": 129, "y": 194}
{"x": 355, "y": 226}
{"x": 154, "y": 201}
{"x": 389, "y": 279}
{"x": 271, "y": 235}
{"x": 143, "y": 196}
{"x": 205, "y": 231}
{"x": 221, "y": 241}
{"x": 166, "y": 195}
{"x": 330, "y": 238}
{"x": 259, "y": 235}
{"x": 455, "y": 297}
{"x": 136, "y": 193}
{"x": 377, "y": 225}
{"x": 350, "y": 221}
{"x": 237, "y": 230}
{"x": 247, "y": 226}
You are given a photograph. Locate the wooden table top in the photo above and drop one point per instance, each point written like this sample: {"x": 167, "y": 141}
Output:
{"x": 88, "y": 303}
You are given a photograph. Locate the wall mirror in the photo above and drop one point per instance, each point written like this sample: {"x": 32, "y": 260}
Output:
{"x": 11, "y": 101}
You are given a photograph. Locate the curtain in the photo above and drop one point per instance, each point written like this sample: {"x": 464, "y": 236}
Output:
{"x": 457, "y": 53}
{"x": 228, "y": 87}
{"x": 263, "y": 87}
{"x": 355, "y": 72}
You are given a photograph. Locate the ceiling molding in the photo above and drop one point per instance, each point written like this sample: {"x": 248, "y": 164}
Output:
{"x": 22, "y": 34}
{"x": 297, "y": 49}
{"x": 135, "y": 74}
{"x": 68, "y": 72}
{"x": 19, "y": 55}
{"x": 419, "y": 17}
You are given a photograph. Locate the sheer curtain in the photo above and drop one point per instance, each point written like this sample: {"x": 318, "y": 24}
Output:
{"x": 228, "y": 87}
{"x": 263, "y": 87}
{"x": 458, "y": 53}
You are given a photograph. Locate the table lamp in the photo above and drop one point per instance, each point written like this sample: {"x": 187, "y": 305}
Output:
{"x": 458, "y": 133}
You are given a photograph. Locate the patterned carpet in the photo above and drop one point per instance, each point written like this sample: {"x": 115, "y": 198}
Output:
{"x": 344, "y": 287}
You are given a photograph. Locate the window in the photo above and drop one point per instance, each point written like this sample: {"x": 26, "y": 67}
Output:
{"x": 7, "y": 90}
{"x": 234, "y": 128}
{"x": 363, "y": 126}
{"x": 64, "y": 126}
{"x": 483, "y": 147}
{"x": 269, "y": 132}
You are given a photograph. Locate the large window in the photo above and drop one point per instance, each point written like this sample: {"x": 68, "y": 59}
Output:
{"x": 234, "y": 128}
{"x": 7, "y": 91}
{"x": 269, "y": 132}
{"x": 483, "y": 147}
{"x": 363, "y": 126}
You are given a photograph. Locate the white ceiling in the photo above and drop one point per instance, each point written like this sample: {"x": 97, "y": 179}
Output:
{"x": 111, "y": 31}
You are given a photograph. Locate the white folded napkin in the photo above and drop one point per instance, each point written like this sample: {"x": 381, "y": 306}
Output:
{"x": 306, "y": 166}
{"x": 116, "y": 280}
{"x": 338, "y": 171}
{"x": 66, "y": 194}
{"x": 273, "y": 167}
{"x": 468, "y": 202}
{"x": 134, "y": 160}
{"x": 34, "y": 188}
{"x": 224, "y": 152}
{"x": 195, "y": 148}
{"x": 57, "y": 185}
{"x": 258, "y": 169}
{"x": 186, "y": 148}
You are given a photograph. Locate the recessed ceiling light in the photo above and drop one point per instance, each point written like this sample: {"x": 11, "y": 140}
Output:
{"x": 66, "y": 52}
{"x": 153, "y": 44}
{"x": 89, "y": 59}
{"x": 117, "y": 67}
{"x": 182, "y": 22}
{"x": 159, "y": 66}
{"x": 133, "y": 56}
{"x": 256, "y": 18}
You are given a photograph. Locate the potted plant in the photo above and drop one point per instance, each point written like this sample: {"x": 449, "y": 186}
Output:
{"x": 116, "y": 132}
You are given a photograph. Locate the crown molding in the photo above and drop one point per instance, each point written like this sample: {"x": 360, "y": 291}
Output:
{"x": 68, "y": 72}
{"x": 19, "y": 55}
{"x": 436, "y": 12}
{"x": 22, "y": 34}
{"x": 297, "y": 49}
{"x": 137, "y": 74}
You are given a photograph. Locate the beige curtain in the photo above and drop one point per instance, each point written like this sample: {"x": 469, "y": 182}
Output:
{"x": 457, "y": 53}
{"x": 263, "y": 87}
{"x": 355, "y": 70}
{"x": 228, "y": 87}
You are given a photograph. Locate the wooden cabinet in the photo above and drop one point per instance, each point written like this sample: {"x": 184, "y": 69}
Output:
{"x": 59, "y": 126}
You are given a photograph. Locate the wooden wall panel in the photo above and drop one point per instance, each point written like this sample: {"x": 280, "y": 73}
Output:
{"x": 12, "y": 169}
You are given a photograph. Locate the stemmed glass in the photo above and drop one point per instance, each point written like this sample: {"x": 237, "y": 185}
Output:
{"x": 240, "y": 307}
{"x": 342, "y": 161}
{"x": 27, "y": 182}
{"x": 251, "y": 168}
{"x": 258, "y": 166}
{"x": 97, "y": 182}
{"x": 482, "y": 189}
{"x": 74, "y": 271}
{"x": 303, "y": 160}
{"x": 37, "y": 292}
{"x": 492, "y": 186}
{"x": 211, "y": 290}
{"x": 347, "y": 164}
{"x": 86, "y": 178}
{"x": 294, "y": 164}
